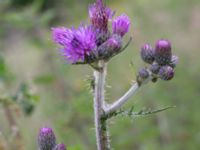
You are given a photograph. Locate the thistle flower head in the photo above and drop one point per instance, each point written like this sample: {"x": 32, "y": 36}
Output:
{"x": 114, "y": 42}
{"x": 88, "y": 44}
{"x": 155, "y": 67}
{"x": 163, "y": 52}
{"x": 166, "y": 73}
{"x": 110, "y": 47}
{"x": 143, "y": 73}
{"x": 46, "y": 139}
{"x": 77, "y": 43}
{"x": 99, "y": 15}
{"x": 121, "y": 25}
{"x": 60, "y": 147}
{"x": 147, "y": 53}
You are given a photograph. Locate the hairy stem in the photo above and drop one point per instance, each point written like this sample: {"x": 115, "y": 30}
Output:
{"x": 99, "y": 100}
{"x": 118, "y": 103}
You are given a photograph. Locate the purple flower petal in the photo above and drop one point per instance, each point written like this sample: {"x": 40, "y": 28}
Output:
{"x": 62, "y": 35}
{"x": 77, "y": 43}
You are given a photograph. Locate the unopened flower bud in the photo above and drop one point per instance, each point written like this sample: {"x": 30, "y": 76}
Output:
{"x": 60, "y": 147}
{"x": 121, "y": 25}
{"x": 99, "y": 15}
{"x": 147, "y": 53}
{"x": 46, "y": 139}
{"x": 174, "y": 61}
{"x": 163, "y": 52}
{"x": 166, "y": 73}
{"x": 143, "y": 73}
{"x": 110, "y": 47}
{"x": 155, "y": 67}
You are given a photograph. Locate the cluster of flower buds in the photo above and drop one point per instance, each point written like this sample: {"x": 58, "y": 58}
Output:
{"x": 47, "y": 140}
{"x": 161, "y": 60}
{"x": 93, "y": 42}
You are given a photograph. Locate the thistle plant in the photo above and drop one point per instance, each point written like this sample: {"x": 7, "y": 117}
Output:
{"x": 95, "y": 45}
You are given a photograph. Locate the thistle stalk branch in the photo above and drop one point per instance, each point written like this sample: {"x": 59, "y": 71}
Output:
{"x": 99, "y": 100}
{"x": 109, "y": 109}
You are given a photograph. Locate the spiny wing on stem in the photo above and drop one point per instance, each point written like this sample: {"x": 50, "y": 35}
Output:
{"x": 141, "y": 113}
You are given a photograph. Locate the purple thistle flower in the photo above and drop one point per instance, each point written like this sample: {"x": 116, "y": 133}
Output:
{"x": 163, "y": 52}
{"x": 77, "y": 43}
{"x": 155, "y": 67}
{"x": 60, "y": 147}
{"x": 121, "y": 25}
{"x": 166, "y": 73}
{"x": 143, "y": 73}
{"x": 114, "y": 42}
{"x": 83, "y": 45}
{"x": 99, "y": 15}
{"x": 46, "y": 139}
{"x": 110, "y": 47}
{"x": 147, "y": 53}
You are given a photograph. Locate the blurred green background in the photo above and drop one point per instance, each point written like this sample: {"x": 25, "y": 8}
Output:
{"x": 29, "y": 55}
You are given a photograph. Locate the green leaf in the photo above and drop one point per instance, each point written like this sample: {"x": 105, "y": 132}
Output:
{"x": 25, "y": 99}
{"x": 150, "y": 112}
{"x": 5, "y": 74}
{"x": 141, "y": 113}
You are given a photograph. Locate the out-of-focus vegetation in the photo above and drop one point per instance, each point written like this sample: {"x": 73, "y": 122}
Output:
{"x": 65, "y": 99}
